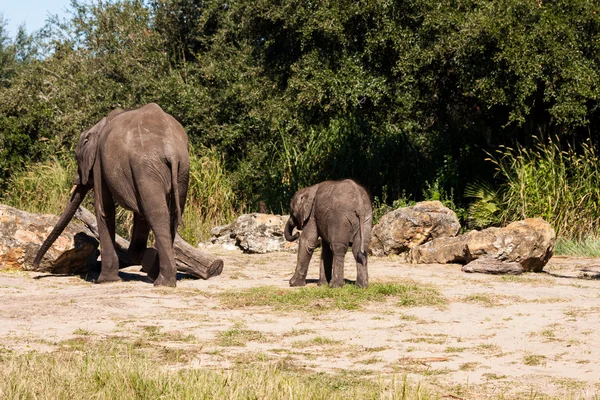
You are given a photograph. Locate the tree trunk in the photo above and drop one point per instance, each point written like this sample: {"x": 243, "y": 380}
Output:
{"x": 189, "y": 259}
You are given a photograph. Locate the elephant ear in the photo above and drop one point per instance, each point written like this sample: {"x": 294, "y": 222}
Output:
{"x": 86, "y": 151}
{"x": 305, "y": 203}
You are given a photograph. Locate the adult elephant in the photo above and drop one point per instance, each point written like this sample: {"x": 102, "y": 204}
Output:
{"x": 138, "y": 159}
{"x": 339, "y": 212}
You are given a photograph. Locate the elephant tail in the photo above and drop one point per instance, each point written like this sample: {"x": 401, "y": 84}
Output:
{"x": 361, "y": 223}
{"x": 175, "y": 185}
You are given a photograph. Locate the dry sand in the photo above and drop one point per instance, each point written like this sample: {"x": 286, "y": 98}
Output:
{"x": 497, "y": 336}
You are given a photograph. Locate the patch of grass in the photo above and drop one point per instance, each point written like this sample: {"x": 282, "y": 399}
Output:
{"x": 527, "y": 279}
{"x": 151, "y": 330}
{"x": 154, "y": 333}
{"x": 547, "y": 333}
{"x": 323, "y": 298}
{"x": 408, "y": 317}
{"x": 490, "y": 376}
{"x": 238, "y": 337}
{"x": 376, "y": 349}
{"x": 430, "y": 339}
{"x": 513, "y": 278}
{"x": 238, "y": 275}
{"x": 588, "y": 247}
{"x": 252, "y": 357}
{"x": 316, "y": 341}
{"x": 451, "y": 349}
{"x": 469, "y": 366}
{"x": 570, "y": 384}
{"x": 116, "y": 370}
{"x": 369, "y": 361}
{"x": 82, "y": 332}
{"x": 437, "y": 371}
{"x": 548, "y": 300}
{"x": 78, "y": 343}
{"x": 173, "y": 355}
{"x": 491, "y": 300}
{"x": 533, "y": 360}
{"x": 298, "y": 332}
{"x": 487, "y": 348}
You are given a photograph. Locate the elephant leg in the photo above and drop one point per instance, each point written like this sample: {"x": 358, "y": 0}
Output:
{"x": 156, "y": 213}
{"x": 362, "y": 275}
{"x": 104, "y": 206}
{"x": 308, "y": 241}
{"x": 139, "y": 238}
{"x": 339, "y": 252}
{"x": 326, "y": 263}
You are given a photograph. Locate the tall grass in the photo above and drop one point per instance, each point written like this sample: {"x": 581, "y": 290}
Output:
{"x": 42, "y": 188}
{"x": 45, "y": 188}
{"x": 211, "y": 198}
{"x": 560, "y": 185}
{"x": 116, "y": 370}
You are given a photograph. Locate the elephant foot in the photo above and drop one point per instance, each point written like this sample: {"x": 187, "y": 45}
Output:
{"x": 105, "y": 278}
{"x": 295, "y": 281}
{"x": 162, "y": 281}
{"x": 336, "y": 284}
{"x": 322, "y": 282}
{"x": 362, "y": 284}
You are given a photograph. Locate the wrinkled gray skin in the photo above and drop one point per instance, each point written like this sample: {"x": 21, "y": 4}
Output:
{"x": 339, "y": 212}
{"x": 138, "y": 159}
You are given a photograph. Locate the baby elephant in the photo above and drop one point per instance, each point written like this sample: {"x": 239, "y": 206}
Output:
{"x": 339, "y": 212}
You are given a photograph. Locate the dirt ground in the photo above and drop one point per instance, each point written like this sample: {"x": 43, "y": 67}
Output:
{"x": 497, "y": 336}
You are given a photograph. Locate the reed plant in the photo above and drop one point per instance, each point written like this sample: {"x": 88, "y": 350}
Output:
{"x": 560, "y": 184}
{"x": 42, "y": 188}
{"x": 211, "y": 198}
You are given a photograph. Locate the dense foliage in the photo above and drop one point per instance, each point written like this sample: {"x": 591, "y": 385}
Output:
{"x": 400, "y": 94}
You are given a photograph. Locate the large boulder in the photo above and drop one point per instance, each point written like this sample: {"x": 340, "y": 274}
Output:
{"x": 22, "y": 233}
{"x": 529, "y": 242}
{"x": 405, "y": 228}
{"x": 254, "y": 233}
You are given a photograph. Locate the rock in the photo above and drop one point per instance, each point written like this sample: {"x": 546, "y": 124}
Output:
{"x": 22, "y": 233}
{"x": 529, "y": 242}
{"x": 491, "y": 265}
{"x": 254, "y": 233}
{"x": 405, "y": 228}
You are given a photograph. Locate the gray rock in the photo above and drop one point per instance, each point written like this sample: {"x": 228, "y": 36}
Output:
{"x": 402, "y": 229}
{"x": 491, "y": 265}
{"x": 529, "y": 242}
{"x": 253, "y": 233}
{"x": 22, "y": 233}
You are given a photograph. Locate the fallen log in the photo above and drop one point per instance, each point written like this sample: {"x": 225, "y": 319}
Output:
{"x": 188, "y": 259}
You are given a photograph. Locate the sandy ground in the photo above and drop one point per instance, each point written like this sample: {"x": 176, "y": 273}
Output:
{"x": 497, "y": 337}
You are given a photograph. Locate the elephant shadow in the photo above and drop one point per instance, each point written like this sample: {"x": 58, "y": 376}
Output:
{"x": 126, "y": 276}
{"x": 316, "y": 281}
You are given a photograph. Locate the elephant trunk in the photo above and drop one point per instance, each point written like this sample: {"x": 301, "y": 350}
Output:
{"x": 289, "y": 228}
{"x": 76, "y": 198}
